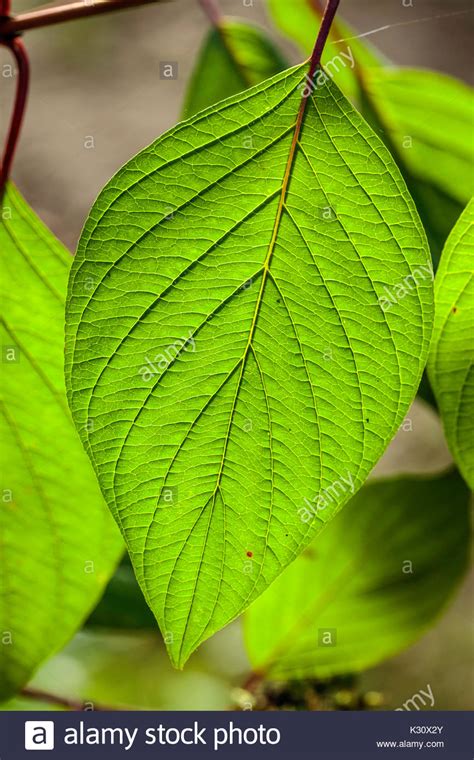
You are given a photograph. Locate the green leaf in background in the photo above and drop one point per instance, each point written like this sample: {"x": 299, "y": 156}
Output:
{"x": 369, "y": 585}
{"x": 427, "y": 121}
{"x": 58, "y": 545}
{"x": 235, "y": 56}
{"x": 451, "y": 361}
{"x": 299, "y": 21}
{"x": 430, "y": 117}
{"x": 237, "y": 354}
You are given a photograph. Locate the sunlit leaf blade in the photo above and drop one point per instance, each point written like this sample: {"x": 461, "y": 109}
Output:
{"x": 368, "y": 586}
{"x": 299, "y": 21}
{"x": 451, "y": 361}
{"x": 58, "y": 545}
{"x": 229, "y": 352}
{"x": 235, "y": 56}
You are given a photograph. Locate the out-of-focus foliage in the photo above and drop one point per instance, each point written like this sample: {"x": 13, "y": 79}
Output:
{"x": 451, "y": 362}
{"x": 234, "y": 56}
{"x": 369, "y": 585}
{"x": 58, "y": 544}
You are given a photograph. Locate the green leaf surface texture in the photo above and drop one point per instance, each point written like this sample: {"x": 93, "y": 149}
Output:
{"x": 451, "y": 361}
{"x": 58, "y": 544}
{"x": 234, "y": 57}
{"x": 233, "y": 357}
{"x": 369, "y": 585}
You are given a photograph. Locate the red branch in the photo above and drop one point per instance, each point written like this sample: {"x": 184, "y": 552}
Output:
{"x": 21, "y": 57}
{"x": 326, "y": 23}
{"x": 212, "y": 11}
{"x": 12, "y": 26}
{"x": 5, "y": 8}
{"x": 57, "y": 14}
{"x": 66, "y": 702}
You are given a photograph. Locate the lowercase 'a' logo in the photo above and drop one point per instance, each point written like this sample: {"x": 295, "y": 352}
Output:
{"x": 39, "y": 734}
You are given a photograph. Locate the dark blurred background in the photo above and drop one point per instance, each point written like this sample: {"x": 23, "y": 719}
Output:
{"x": 96, "y": 83}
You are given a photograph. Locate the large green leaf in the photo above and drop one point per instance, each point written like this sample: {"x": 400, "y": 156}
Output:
{"x": 236, "y": 351}
{"x": 451, "y": 361}
{"x": 58, "y": 545}
{"x": 369, "y": 585}
{"x": 235, "y": 56}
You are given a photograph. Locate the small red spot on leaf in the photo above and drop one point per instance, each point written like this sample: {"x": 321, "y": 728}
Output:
{"x": 249, "y": 554}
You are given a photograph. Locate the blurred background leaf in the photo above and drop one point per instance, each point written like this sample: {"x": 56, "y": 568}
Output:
{"x": 371, "y": 583}
{"x": 451, "y": 362}
{"x": 234, "y": 56}
{"x": 59, "y": 545}
{"x": 427, "y": 121}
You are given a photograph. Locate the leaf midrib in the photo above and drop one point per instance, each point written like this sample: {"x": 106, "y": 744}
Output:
{"x": 266, "y": 269}
{"x": 191, "y": 200}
